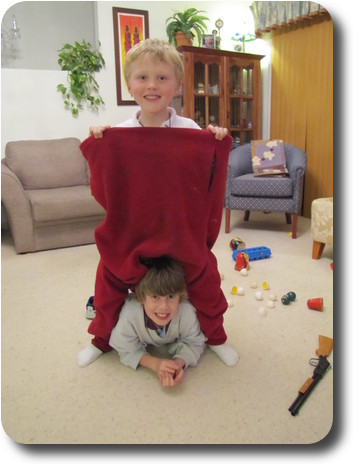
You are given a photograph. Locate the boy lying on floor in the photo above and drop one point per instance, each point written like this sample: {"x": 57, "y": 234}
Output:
{"x": 159, "y": 314}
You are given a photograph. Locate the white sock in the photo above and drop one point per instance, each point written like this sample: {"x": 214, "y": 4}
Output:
{"x": 226, "y": 353}
{"x": 88, "y": 355}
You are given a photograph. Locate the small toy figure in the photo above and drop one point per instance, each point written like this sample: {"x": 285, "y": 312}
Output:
{"x": 286, "y": 299}
{"x": 236, "y": 244}
{"x": 242, "y": 262}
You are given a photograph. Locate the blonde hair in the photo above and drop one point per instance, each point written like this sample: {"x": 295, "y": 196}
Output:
{"x": 159, "y": 49}
{"x": 165, "y": 276}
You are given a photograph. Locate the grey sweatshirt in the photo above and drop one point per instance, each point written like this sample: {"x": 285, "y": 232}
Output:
{"x": 130, "y": 337}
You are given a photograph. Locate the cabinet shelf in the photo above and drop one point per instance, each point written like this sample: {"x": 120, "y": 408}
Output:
{"x": 200, "y": 94}
{"x": 222, "y": 88}
{"x": 241, "y": 97}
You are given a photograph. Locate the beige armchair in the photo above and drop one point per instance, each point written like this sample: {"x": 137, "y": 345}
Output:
{"x": 46, "y": 195}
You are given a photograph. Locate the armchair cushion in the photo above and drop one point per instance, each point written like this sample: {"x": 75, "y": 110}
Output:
{"x": 268, "y": 157}
{"x": 45, "y": 164}
{"x": 249, "y": 185}
{"x": 61, "y": 204}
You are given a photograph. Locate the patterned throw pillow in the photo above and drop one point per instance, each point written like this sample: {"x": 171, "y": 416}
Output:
{"x": 268, "y": 157}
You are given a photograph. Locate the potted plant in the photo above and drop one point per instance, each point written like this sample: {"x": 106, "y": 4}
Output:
{"x": 188, "y": 23}
{"x": 81, "y": 62}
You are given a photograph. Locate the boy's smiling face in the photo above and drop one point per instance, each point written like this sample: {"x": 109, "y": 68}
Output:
{"x": 153, "y": 84}
{"x": 161, "y": 309}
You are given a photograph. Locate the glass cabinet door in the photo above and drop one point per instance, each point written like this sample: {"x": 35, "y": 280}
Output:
{"x": 207, "y": 94}
{"x": 222, "y": 88}
{"x": 241, "y": 103}
{"x": 247, "y": 81}
{"x": 178, "y": 102}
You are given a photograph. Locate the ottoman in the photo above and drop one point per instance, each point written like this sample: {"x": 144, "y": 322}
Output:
{"x": 321, "y": 225}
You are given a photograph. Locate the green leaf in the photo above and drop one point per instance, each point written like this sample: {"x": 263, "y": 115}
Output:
{"x": 81, "y": 62}
{"x": 189, "y": 21}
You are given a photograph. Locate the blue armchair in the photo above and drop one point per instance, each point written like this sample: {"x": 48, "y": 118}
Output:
{"x": 247, "y": 192}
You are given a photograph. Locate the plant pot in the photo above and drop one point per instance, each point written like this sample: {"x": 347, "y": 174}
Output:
{"x": 181, "y": 39}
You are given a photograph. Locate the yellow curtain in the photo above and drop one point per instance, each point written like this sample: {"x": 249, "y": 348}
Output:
{"x": 302, "y": 100}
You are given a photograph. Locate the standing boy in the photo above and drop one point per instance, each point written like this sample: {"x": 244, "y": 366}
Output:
{"x": 154, "y": 72}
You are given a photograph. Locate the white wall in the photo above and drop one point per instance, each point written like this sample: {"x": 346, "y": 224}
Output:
{"x": 45, "y": 27}
{"x": 31, "y": 108}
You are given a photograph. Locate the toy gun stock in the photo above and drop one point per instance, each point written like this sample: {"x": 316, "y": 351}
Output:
{"x": 325, "y": 348}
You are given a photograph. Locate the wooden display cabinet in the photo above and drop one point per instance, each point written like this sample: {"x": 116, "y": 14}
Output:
{"x": 224, "y": 89}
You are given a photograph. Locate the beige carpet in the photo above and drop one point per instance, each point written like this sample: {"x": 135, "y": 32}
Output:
{"x": 47, "y": 399}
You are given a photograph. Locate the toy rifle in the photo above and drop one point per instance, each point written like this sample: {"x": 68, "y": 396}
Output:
{"x": 325, "y": 348}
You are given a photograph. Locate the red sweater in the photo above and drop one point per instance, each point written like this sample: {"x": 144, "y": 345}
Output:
{"x": 163, "y": 190}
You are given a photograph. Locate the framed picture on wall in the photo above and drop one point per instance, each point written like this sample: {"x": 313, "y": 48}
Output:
{"x": 130, "y": 28}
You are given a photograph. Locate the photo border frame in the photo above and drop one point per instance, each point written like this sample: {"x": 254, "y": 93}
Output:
{"x": 209, "y": 36}
{"x": 120, "y": 17}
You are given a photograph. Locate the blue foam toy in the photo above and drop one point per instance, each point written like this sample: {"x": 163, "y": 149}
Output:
{"x": 255, "y": 253}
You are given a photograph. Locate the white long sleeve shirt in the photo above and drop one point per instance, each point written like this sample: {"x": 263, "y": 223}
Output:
{"x": 173, "y": 121}
{"x": 130, "y": 336}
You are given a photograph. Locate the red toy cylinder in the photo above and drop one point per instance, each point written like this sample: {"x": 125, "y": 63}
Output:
{"x": 315, "y": 303}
